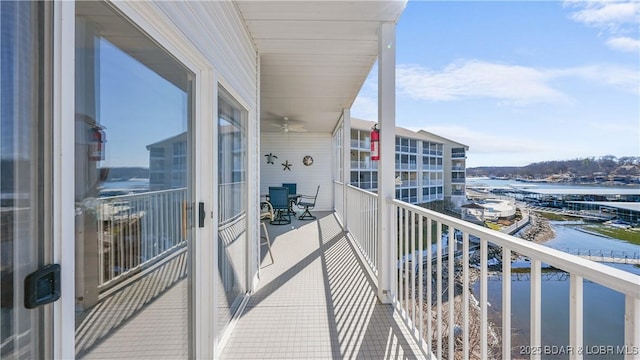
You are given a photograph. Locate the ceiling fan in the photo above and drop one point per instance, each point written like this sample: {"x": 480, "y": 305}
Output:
{"x": 287, "y": 126}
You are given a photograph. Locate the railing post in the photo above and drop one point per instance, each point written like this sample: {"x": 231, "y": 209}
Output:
{"x": 576, "y": 316}
{"x": 631, "y": 327}
{"x": 506, "y": 303}
{"x": 535, "y": 327}
{"x": 386, "y": 168}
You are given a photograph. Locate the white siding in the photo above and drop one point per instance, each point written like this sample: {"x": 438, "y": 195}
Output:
{"x": 293, "y": 147}
{"x": 217, "y": 31}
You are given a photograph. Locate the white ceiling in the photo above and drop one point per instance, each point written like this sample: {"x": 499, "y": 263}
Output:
{"x": 315, "y": 55}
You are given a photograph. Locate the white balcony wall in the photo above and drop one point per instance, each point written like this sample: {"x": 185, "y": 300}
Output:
{"x": 293, "y": 147}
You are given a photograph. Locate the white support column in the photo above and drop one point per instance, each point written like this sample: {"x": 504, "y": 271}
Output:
{"x": 253, "y": 180}
{"x": 386, "y": 165}
{"x": 346, "y": 163}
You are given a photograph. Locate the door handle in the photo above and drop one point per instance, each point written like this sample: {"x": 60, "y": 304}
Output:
{"x": 42, "y": 286}
{"x": 201, "y": 214}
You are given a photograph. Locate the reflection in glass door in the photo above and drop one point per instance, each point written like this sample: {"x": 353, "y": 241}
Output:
{"x": 232, "y": 209}
{"x": 25, "y": 230}
{"x": 133, "y": 192}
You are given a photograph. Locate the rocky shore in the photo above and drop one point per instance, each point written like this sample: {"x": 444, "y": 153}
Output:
{"x": 538, "y": 230}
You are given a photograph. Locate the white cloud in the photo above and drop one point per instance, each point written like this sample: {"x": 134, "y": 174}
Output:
{"x": 510, "y": 83}
{"x": 487, "y": 143}
{"x": 606, "y": 13}
{"x": 365, "y": 107}
{"x": 615, "y": 18}
{"x": 619, "y": 77}
{"x": 477, "y": 79}
{"x": 625, "y": 44}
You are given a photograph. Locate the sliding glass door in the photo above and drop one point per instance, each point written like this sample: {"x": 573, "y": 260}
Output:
{"x": 133, "y": 191}
{"x": 25, "y": 165}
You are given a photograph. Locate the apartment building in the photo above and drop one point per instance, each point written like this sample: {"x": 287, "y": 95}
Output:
{"x": 428, "y": 167}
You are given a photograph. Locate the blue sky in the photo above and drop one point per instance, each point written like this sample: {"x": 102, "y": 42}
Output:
{"x": 519, "y": 81}
{"x": 137, "y": 107}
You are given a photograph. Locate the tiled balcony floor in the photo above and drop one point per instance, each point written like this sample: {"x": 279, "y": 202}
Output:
{"x": 317, "y": 301}
{"x": 145, "y": 320}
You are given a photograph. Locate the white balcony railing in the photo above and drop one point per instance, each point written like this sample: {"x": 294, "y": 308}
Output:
{"x": 360, "y": 144}
{"x": 406, "y": 166}
{"x": 355, "y": 164}
{"x": 339, "y": 189}
{"x": 427, "y": 182}
{"x": 453, "y": 318}
{"x": 428, "y": 278}
{"x": 137, "y": 228}
{"x": 362, "y": 214}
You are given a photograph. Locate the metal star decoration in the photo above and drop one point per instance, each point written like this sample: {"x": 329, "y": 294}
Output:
{"x": 286, "y": 165}
{"x": 270, "y": 158}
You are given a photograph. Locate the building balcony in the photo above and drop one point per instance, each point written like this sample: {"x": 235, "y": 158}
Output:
{"x": 431, "y": 152}
{"x": 363, "y": 165}
{"x": 427, "y": 167}
{"x": 427, "y": 182}
{"x": 318, "y": 299}
{"x": 360, "y": 144}
{"x": 406, "y": 166}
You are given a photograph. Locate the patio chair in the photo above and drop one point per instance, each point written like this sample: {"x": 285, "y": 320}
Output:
{"x": 292, "y": 187}
{"x": 266, "y": 212}
{"x": 293, "y": 199}
{"x": 307, "y": 202}
{"x": 279, "y": 199}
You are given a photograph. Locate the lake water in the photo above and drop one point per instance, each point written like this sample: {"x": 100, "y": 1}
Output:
{"x": 603, "y": 308}
{"x": 504, "y": 183}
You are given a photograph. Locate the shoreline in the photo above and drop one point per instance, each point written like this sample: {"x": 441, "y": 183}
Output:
{"x": 538, "y": 230}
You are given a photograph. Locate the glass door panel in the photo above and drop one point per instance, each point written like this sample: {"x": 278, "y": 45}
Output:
{"x": 133, "y": 192}
{"x": 232, "y": 209}
{"x": 25, "y": 228}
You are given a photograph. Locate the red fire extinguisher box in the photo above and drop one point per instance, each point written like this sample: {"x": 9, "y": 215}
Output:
{"x": 375, "y": 143}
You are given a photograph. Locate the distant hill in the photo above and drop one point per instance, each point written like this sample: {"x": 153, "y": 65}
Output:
{"x": 606, "y": 168}
{"x": 126, "y": 173}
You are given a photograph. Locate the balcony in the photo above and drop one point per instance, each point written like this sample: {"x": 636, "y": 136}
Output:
{"x": 428, "y": 278}
{"x": 361, "y": 144}
{"x": 317, "y": 300}
{"x": 363, "y": 165}
{"x": 428, "y": 182}
{"x": 406, "y": 166}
